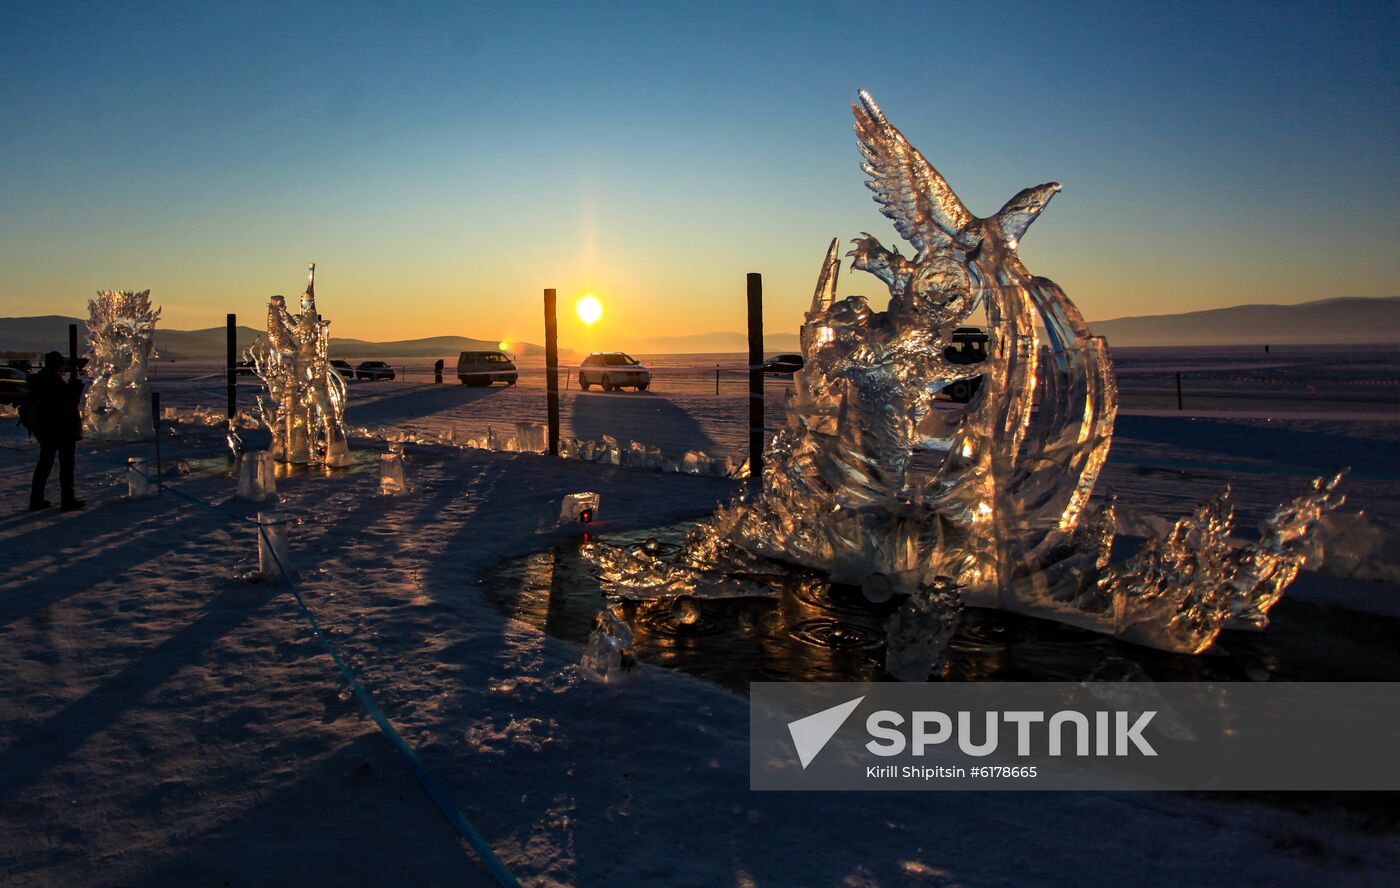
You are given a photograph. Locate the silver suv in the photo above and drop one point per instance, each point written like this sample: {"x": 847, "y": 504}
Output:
{"x": 613, "y": 371}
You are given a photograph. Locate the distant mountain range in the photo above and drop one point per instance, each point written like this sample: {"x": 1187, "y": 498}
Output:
{"x": 41, "y": 334}
{"x": 1345, "y": 320}
{"x": 1350, "y": 319}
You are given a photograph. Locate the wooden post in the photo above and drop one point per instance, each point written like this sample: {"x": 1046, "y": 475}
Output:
{"x": 72, "y": 352}
{"x": 1178, "y": 390}
{"x": 155, "y": 424}
{"x": 551, "y": 369}
{"x": 717, "y": 379}
{"x": 755, "y": 282}
{"x": 232, "y": 323}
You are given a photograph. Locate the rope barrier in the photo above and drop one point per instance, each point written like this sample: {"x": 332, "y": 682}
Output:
{"x": 435, "y": 790}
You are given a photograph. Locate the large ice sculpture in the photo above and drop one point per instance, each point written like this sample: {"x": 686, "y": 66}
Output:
{"x": 121, "y": 328}
{"x": 874, "y": 483}
{"x": 305, "y": 404}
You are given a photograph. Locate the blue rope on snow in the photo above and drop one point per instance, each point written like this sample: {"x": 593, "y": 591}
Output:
{"x": 436, "y": 791}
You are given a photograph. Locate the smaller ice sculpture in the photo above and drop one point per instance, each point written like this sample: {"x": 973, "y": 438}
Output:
{"x": 274, "y": 553}
{"x": 579, "y": 508}
{"x": 121, "y": 326}
{"x": 257, "y": 482}
{"x": 391, "y": 475}
{"x": 305, "y": 404}
{"x": 608, "y": 655}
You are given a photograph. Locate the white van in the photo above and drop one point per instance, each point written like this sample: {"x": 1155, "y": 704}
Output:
{"x": 481, "y": 368}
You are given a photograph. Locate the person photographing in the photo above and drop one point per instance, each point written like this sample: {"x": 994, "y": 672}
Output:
{"x": 51, "y": 415}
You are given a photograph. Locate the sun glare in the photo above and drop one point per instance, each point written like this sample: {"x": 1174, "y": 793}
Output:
{"x": 589, "y": 309}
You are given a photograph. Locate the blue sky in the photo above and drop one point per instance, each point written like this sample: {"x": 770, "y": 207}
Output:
{"x": 444, "y": 163}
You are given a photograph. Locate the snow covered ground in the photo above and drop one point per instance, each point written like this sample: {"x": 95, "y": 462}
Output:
{"x": 165, "y": 722}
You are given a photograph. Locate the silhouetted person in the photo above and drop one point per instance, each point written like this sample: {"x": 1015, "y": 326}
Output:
{"x": 437, "y": 371}
{"x": 52, "y": 418}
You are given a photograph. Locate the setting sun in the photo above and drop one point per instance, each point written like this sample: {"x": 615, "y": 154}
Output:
{"x": 589, "y": 309}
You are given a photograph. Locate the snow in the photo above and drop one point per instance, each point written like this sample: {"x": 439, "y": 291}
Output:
{"x": 164, "y": 721}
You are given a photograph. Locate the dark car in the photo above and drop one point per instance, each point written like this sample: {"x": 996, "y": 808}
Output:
{"x": 969, "y": 346}
{"x": 246, "y": 368}
{"x": 374, "y": 370}
{"x": 14, "y": 385}
{"x": 787, "y": 364}
{"x": 482, "y": 368}
{"x": 344, "y": 369}
{"x": 613, "y": 371}
{"x": 20, "y": 364}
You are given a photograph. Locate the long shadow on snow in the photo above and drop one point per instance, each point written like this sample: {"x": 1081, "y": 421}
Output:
{"x": 636, "y": 416}
{"x": 51, "y": 741}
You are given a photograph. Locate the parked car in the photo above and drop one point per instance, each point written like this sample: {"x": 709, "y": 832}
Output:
{"x": 969, "y": 346}
{"x": 246, "y": 368}
{"x": 788, "y": 364}
{"x": 374, "y": 370}
{"x": 613, "y": 371}
{"x": 343, "y": 368}
{"x": 21, "y": 364}
{"x": 481, "y": 368}
{"x": 14, "y": 385}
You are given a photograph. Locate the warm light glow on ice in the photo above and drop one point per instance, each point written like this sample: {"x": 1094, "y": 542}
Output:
{"x": 589, "y": 309}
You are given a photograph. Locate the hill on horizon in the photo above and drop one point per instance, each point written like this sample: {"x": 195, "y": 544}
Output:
{"x": 47, "y": 332}
{"x": 1348, "y": 319}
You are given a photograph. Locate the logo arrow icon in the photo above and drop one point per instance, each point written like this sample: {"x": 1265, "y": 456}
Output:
{"x": 811, "y": 733}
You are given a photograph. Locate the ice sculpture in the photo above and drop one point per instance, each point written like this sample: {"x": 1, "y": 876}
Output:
{"x": 305, "y": 404}
{"x": 1001, "y": 513}
{"x": 121, "y": 327}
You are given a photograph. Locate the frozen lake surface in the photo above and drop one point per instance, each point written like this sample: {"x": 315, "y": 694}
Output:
{"x": 164, "y": 721}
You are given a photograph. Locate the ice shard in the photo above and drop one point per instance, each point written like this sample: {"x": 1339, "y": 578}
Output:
{"x": 304, "y": 407}
{"x": 121, "y": 329}
{"x": 878, "y": 475}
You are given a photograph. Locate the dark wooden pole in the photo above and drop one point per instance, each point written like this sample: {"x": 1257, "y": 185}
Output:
{"x": 1178, "y": 390}
{"x": 155, "y": 424}
{"x": 755, "y": 379}
{"x": 73, "y": 352}
{"x": 232, "y": 366}
{"x": 551, "y": 369}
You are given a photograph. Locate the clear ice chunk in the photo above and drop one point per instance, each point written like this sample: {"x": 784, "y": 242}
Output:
{"x": 391, "y": 473}
{"x": 608, "y": 655}
{"x": 579, "y": 508}
{"x": 257, "y": 479}
{"x": 917, "y": 634}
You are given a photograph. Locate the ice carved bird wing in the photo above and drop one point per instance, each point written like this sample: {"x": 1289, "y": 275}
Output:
{"x": 912, "y": 194}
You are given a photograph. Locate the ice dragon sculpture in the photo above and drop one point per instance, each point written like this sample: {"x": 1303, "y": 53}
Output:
{"x": 121, "y": 326}
{"x": 874, "y": 483}
{"x": 305, "y": 404}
